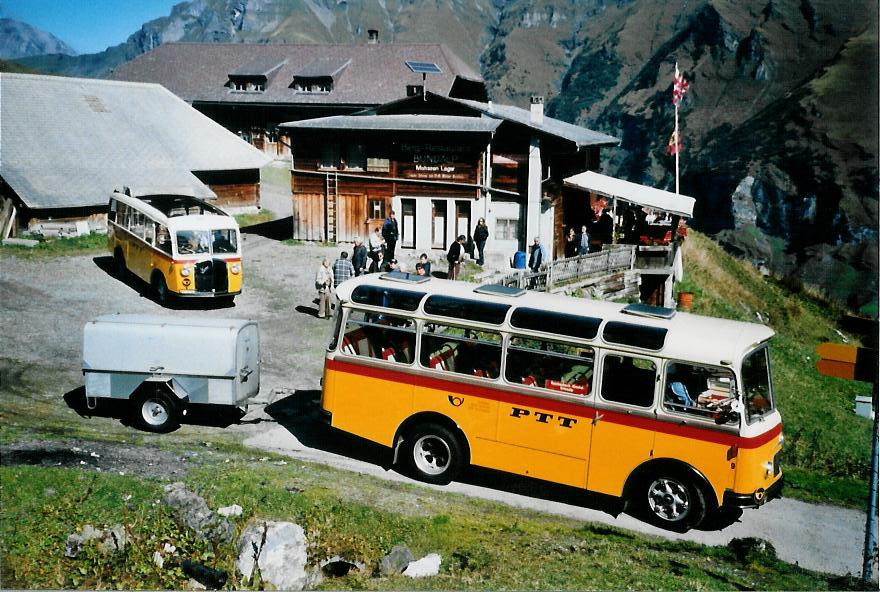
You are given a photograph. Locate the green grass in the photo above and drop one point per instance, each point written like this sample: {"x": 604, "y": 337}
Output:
{"x": 77, "y": 245}
{"x": 245, "y": 220}
{"x": 827, "y": 446}
{"x": 484, "y": 545}
{"x": 276, "y": 173}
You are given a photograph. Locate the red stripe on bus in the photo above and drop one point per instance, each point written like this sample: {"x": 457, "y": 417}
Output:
{"x": 584, "y": 411}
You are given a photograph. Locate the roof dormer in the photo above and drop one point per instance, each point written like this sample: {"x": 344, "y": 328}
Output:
{"x": 254, "y": 75}
{"x": 319, "y": 76}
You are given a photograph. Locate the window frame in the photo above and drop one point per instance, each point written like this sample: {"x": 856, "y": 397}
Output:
{"x": 606, "y": 353}
{"x": 544, "y": 391}
{"x": 697, "y": 412}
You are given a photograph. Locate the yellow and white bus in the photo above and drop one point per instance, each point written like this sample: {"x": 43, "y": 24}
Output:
{"x": 672, "y": 412}
{"x": 179, "y": 244}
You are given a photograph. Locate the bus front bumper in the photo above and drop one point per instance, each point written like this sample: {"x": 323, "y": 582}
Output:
{"x": 194, "y": 294}
{"x": 753, "y": 500}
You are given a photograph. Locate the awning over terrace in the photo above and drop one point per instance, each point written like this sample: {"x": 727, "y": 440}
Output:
{"x": 642, "y": 195}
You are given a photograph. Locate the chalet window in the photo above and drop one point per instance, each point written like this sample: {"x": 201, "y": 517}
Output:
{"x": 329, "y": 156}
{"x": 378, "y": 165}
{"x": 505, "y": 228}
{"x": 355, "y": 157}
{"x": 377, "y": 209}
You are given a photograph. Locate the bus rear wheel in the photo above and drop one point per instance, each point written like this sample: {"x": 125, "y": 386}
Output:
{"x": 434, "y": 454}
{"x": 155, "y": 411}
{"x": 119, "y": 263}
{"x": 671, "y": 502}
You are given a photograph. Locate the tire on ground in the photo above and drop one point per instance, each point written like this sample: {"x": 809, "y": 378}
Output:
{"x": 155, "y": 409}
{"x": 433, "y": 453}
{"x": 670, "y": 500}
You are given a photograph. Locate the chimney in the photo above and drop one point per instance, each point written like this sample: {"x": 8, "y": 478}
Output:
{"x": 373, "y": 36}
{"x": 537, "y": 110}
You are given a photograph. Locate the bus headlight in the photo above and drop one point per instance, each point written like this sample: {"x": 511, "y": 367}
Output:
{"x": 236, "y": 268}
{"x": 185, "y": 271}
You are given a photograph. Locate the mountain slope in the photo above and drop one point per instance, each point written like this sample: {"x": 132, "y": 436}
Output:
{"x": 18, "y": 39}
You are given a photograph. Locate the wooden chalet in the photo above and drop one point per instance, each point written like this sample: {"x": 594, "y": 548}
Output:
{"x": 67, "y": 143}
{"x": 251, "y": 88}
{"x": 441, "y": 163}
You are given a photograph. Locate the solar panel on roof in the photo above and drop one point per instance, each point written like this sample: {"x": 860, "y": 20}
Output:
{"x": 646, "y": 310}
{"x": 424, "y": 67}
{"x": 499, "y": 290}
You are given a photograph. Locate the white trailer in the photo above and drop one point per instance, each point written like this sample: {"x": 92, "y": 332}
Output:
{"x": 162, "y": 364}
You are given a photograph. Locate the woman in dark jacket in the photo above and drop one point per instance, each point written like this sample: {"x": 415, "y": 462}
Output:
{"x": 481, "y": 235}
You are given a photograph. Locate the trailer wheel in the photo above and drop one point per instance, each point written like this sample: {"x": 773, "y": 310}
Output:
{"x": 156, "y": 411}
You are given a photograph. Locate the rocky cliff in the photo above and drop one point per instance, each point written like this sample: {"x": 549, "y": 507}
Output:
{"x": 779, "y": 127}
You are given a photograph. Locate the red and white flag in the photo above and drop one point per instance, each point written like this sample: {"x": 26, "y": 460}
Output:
{"x": 674, "y": 145}
{"x": 679, "y": 86}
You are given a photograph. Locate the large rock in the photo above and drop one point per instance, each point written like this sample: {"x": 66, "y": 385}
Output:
{"x": 396, "y": 561}
{"x": 278, "y": 550}
{"x": 192, "y": 511}
{"x": 425, "y": 567}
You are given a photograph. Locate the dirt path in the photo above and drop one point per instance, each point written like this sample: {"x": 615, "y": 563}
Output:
{"x": 47, "y": 300}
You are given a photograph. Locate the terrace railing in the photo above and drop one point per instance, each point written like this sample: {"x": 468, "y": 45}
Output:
{"x": 571, "y": 271}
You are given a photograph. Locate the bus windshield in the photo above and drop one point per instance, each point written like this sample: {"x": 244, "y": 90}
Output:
{"x": 756, "y": 385}
{"x": 206, "y": 241}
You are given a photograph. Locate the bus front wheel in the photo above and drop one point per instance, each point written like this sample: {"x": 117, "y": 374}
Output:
{"x": 160, "y": 289}
{"x": 671, "y": 501}
{"x": 434, "y": 454}
{"x": 155, "y": 411}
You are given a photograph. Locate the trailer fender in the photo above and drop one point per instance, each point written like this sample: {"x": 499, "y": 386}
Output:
{"x": 173, "y": 385}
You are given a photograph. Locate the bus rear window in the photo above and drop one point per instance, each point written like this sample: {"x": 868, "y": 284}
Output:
{"x": 387, "y": 297}
{"x": 470, "y": 310}
{"x": 641, "y": 336}
{"x": 555, "y": 322}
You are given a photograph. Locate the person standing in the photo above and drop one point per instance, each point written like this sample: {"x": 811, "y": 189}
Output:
{"x": 571, "y": 243}
{"x": 359, "y": 256}
{"x": 583, "y": 241}
{"x": 324, "y": 285}
{"x": 453, "y": 257}
{"x": 342, "y": 269}
{"x": 481, "y": 235}
{"x": 539, "y": 255}
{"x": 375, "y": 250}
{"x": 390, "y": 233}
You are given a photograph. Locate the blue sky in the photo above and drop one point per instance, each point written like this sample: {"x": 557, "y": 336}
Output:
{"x": 88, "y": 26}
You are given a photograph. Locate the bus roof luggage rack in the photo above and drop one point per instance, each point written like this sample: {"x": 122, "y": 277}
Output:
{"x": 646, "y": 310}
{"x": 402, "y": 276}
{"x": 499, "y": 290}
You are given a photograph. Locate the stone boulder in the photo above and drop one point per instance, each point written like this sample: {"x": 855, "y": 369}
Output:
{"x": 191, "y": 510}
{"x": 278, "y": 550}
{"x": 108, "y": 540}
{"x": 425, "y": 567}
{"x": 396, "y": 561}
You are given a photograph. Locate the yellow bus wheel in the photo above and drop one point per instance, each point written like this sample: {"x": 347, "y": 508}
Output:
{"x": 160, "y": 289}
{"x": 671, "y": 501}
{"x": 433, "y": 454}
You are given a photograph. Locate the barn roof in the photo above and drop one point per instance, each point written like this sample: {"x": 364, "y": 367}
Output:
{"x": 68, "y": 142}
{"x": 406, "y": 122}
{"x": 363, "y": 74}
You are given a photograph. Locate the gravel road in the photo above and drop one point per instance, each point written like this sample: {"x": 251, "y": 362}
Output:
{"x": 47, "y": 300}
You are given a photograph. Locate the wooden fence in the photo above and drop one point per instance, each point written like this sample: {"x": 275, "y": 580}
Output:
{"x": 573, "y": 270}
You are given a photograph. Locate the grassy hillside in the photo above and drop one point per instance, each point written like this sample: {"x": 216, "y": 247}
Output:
{"x": 827, "y": 448}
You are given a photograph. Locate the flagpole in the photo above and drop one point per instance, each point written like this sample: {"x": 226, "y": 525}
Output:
{"x": 677, "y": 139}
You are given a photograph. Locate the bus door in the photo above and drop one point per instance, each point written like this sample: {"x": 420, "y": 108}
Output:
{"x": 544, "y": 427}
{"x": 139, "y": 255}
{"x": 701, "y": 398}
{"x": 623, "y": 421}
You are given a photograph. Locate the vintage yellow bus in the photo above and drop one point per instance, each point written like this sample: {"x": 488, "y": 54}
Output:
{"x": 179, "y": 244}
{"x": 672, "y": 412}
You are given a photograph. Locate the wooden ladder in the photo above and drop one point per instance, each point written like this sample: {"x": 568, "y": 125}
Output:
{"x": 332, "y": 197}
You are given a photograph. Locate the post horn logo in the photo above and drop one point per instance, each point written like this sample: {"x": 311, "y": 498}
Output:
{"x": 456, "y": 401}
